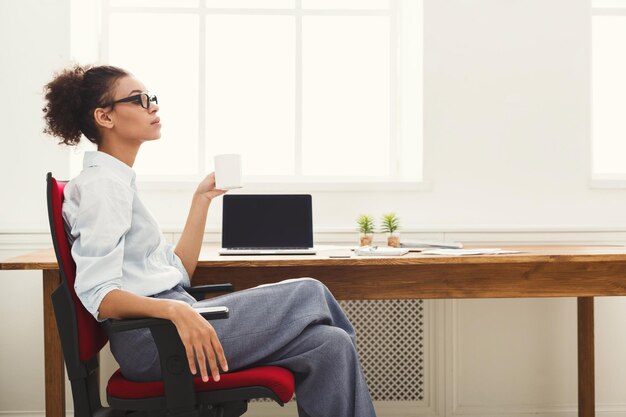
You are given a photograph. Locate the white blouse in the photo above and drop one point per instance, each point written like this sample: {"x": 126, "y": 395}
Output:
{"x": 116, "y": 242}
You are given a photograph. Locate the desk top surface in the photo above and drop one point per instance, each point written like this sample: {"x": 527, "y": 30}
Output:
{"x": 209, "y": 258}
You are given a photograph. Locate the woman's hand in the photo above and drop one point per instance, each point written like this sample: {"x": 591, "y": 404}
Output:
{"x": 207, "y": 188}
{"x": 200, "y": 340}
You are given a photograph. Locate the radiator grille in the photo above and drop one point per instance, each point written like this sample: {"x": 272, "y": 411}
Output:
{"x": 390, "y": 342}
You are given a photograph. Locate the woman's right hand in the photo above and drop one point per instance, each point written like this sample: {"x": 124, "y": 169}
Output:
{"x": 207, "y": 188}
{"x": 200, "y": 340}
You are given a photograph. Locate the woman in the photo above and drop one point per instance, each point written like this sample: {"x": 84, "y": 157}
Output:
{"x": 125, "y": 268}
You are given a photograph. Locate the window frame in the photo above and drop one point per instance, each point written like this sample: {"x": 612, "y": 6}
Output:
{"x": 400, "y": 121}
{"x": 601, "y": 180}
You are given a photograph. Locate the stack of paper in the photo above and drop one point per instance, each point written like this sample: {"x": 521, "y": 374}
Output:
{"x": 464, "y": 252}
{"x": 380, "y": 251}
{"x": 418, "y": 244}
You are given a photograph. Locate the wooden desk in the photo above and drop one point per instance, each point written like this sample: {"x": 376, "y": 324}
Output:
{"x": 540, "y": 271}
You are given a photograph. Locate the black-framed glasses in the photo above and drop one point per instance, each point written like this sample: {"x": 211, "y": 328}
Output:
{"x": 144, "y": 99}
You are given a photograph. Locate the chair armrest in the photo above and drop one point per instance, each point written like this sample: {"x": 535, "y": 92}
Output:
{"x": 212, "y": 288}
{"x": 180, "y": 395}
{"x": 209, "y": 313}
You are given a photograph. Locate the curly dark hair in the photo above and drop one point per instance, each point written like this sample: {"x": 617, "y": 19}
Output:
{"x": 73, "y": 95}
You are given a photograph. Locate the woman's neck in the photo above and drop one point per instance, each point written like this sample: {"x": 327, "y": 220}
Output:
{"x": 123, "y": 151}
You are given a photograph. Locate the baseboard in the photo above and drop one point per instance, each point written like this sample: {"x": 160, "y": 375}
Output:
{"x": 401, "y": 409}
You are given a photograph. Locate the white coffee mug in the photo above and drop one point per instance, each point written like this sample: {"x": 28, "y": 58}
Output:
{"x": 228, "y": 171}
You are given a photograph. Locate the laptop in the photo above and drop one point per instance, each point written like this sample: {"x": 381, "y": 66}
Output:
{"x": 267, "y": 224}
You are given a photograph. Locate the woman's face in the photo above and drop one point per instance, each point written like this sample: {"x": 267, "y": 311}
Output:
{"x": 130, "y": 120}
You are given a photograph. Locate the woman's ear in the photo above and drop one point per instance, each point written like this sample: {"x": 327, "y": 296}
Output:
{"x": 102, "y": 118}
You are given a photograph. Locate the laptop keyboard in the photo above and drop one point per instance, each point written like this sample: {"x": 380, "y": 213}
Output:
{"x": 267, "y": 248}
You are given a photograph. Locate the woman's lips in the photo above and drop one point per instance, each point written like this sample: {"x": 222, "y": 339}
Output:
{"x": 156, "y": 121}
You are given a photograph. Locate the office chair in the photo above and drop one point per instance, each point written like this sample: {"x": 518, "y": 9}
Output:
{"x": 179, "y": 393}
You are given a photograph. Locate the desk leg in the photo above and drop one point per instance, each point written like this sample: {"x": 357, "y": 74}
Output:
{"x": 55, "y": 372}
{"x": 586, "y": 378}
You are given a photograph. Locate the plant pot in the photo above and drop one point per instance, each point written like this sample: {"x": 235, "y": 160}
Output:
{"x": 366, "y": 239}
{"x": 393, "y": 240}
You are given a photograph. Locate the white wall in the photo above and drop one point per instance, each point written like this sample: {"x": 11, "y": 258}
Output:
{"x": 34, "y": 41}
{"x": 507, "y": 155}
{"x": 506, "y": 123}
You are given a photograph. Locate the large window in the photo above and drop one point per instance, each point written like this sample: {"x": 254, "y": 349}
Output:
{"x": 308, "y": 91}
{"x": 609, "y": 91}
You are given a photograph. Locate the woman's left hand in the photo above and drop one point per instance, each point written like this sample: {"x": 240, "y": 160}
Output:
{"x": 207, "y": 188}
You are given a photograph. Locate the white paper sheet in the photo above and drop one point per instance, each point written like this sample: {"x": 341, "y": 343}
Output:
{"x": 466, "y": 252}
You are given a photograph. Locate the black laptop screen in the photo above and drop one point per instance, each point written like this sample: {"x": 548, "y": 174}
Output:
{"x": 267, "y": 221}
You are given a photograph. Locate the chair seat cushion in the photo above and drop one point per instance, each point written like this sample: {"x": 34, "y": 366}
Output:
{"x": 279, "y": 380}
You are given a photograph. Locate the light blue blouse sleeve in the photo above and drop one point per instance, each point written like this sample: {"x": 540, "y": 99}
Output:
{"x": 103, "y": 217}
{"x": 175, "y": 261}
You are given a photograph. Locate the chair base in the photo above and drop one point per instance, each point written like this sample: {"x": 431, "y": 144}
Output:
{"x": 234, "y": 409}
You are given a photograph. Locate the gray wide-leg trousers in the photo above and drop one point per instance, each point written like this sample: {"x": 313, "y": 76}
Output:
{"x": 296, "y": 324}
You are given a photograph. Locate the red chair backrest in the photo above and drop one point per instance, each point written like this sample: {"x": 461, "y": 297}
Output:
{"x": 91, "y": 336}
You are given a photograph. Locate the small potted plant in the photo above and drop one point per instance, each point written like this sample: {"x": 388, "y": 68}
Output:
{"x": 391, "y": 225}
{"x": 366, "y": 227}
